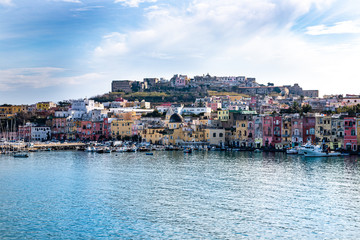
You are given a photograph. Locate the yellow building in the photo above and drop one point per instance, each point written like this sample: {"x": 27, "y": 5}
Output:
{"x": 286, "y": 131}
{"x": 322, "y": 128}
{"x": 44, "y": 106}
{"x": 121, "y": 128}
{"x": 18, "y": 108}
{"x": 153, "y": 135}
{"x": 5, "y": 111}
{"x": 242, "y": 132}
{"x": 223, "y": 115}
{"x": 214, "y": 136}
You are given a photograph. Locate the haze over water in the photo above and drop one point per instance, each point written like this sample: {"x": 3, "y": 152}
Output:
{"x": 171, "y": 195}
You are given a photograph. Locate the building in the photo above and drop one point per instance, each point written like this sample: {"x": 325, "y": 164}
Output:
{"x": 215, "y": 137}
{"x": 337, "y": 132}
{"x": 267, "y": 131}
{"x": 350, "y": 138}
{"x": 121, "y": 129}
{"x": 309, "y": 129}
{"x": 297, "y": 130}
{"x": 179, "y": 81}
{"x": 44, "y": 106}
{"x": 121, "y": 86}
{"x": 40, "y": 134}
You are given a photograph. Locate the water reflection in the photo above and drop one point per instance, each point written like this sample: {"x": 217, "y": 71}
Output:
{"x": 172, "y": 195}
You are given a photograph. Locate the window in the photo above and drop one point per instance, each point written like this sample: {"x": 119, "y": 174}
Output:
{"x": 221, "y": 135}
{"x": 312, "y": 131}
{"x": 214, "y": 134}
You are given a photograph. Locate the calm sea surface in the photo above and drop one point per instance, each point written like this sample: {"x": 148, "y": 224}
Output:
{"x": 172, "y": 195}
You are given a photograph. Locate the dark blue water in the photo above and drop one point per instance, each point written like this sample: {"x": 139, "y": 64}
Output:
{"x": 214, "y": 195}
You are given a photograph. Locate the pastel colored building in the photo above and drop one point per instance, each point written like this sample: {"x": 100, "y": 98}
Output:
{"x": 350, "y": 138}
{"x": 268, "y": 131}
{"x": 309, "y": 129}
{"x": 277, "y": 124}
{"x": 297, "y": 131}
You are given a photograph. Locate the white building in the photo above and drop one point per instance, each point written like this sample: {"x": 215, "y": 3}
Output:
{"x": 40, "y": 133}
{"x": 195, "y": 110}
{"x": 85, "y": 105}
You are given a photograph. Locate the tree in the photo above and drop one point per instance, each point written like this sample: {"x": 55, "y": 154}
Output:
{"x": 306, "y": 108}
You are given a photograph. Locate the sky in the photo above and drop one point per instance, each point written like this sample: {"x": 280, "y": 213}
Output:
{"x": 53, "y": 50}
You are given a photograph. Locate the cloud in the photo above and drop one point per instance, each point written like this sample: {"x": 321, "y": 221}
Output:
{"x": 69, "y": 1}
{"x": 11, "y": 79}
{"x": 6, "y": 2}
{"x": 133, "y": 3}
{"x": 231, "y": 37}
{"x": 204, "y": 28}
{"x": 337, "y": 28}
{"x": 85, "y": 9}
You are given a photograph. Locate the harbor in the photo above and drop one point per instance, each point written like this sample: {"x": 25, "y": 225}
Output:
{"x": 176, "y": 195}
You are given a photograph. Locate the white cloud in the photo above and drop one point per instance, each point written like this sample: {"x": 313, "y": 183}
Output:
{"x": 133, "y": 3}
{"x": 113, "y": 44}
{"x": 6, "y": 2}
{"x": 231, "y": 37}
{"x": 11, "y": 79}
{"x": 70, "y": 1}
{"x": 337, "y": 28}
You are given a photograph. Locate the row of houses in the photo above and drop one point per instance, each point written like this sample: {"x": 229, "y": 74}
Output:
{"x": 217, "y": 120}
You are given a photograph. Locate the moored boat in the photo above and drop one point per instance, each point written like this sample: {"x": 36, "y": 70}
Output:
{"x": 292, "y": 151}
{"x": 318, "y": 151}
{"x": 21, "y": 155}
{"x": 187, "y": 150}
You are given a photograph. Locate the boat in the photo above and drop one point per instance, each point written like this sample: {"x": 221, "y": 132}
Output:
{"x": 257, "y": 151}
{"x": 21, "y": 155}
{"x": 149, "y": 153}
{"x": 90, "y": 149}
{"x": 187, "y": 150}
{"x": 318, "y": 151}
{"x": 143, "y": 149}
{"x": 292, "y": 151}
{"x": 103, "y": 150}
{"x": 307, "y": 146}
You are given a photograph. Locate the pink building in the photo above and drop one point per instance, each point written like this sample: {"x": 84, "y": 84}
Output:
{"x": 179, "y": 80}
{"x": 106, "y": 128}
{"x": 91, "y": 130}
{"x": 214, "y": 106}
{"x": 268, "y": 131}
{"x": 350, "y": 138}
{"x": 25, "y": 132}
{"x": 58, "y": 130}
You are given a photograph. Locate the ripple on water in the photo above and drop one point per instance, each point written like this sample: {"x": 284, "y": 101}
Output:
{"x": 172, "y": 195}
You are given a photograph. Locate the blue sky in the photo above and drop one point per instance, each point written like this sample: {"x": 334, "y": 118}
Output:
{"x": 69, "y": 49}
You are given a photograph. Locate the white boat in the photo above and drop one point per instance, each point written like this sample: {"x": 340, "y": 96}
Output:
{"x": 292, "y": 151}
{"x": 307, "y": 146}
{"x": 90, "y": 149}
{"x": 318, "y": 151}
